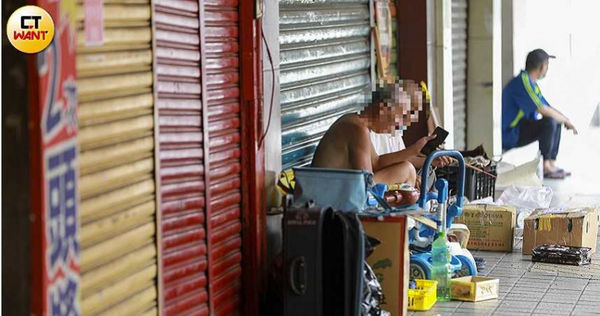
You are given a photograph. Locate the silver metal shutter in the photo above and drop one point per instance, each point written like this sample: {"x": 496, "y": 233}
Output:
{"x": 459, "y": 70}
{"x": 325, "y": 69}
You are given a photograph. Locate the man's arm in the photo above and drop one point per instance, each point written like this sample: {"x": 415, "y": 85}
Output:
{"x": 419, "y": 160}
{"x": 409, "y": 154}
{"x": 548, "y": 111}
{"x": 557, "y": 115}
{"x": 360, "y": 152}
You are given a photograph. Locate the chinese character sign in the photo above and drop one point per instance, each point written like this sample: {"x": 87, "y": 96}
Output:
{"x": 57, "y": 293}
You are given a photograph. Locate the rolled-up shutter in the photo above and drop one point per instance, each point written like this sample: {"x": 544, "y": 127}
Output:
{"x": 459, "y": 70}
{"x": 221, "y": 65}
{"x": 325, "y": 69}
{"x": 181, "y": 157}
{"x": 116, "y": 174}
{"x": 199, "y": 115}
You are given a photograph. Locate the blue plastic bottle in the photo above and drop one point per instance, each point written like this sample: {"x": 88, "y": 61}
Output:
{"x": 441, "y": 267}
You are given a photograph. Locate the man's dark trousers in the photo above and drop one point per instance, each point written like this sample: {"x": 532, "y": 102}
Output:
{"x": 546, "y": 131}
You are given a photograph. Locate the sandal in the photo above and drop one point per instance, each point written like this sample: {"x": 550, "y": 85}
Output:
{"x": 556, "y": 174}
{"x": 567, "y": 173}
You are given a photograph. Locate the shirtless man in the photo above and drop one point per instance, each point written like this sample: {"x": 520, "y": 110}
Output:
{"x": 347, "y": 144}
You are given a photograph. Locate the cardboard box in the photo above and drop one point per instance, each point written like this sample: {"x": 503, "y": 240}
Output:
{"x": 390, "y": 260}
{"x": 474, "y": 289}
{"x": 492, "y": 227}
{"x": 571, "y": 227}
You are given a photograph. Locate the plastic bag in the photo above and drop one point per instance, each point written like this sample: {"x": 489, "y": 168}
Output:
{"x": 372, "y": 291}
{"x": 526, "y": 200}
{"x": 372, "y": 294}
{"x": 527, "y": 197}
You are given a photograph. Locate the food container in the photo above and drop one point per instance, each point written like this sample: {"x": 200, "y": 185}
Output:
{"x": 474, "y": 289}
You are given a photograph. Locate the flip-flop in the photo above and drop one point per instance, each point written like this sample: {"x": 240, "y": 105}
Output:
{"x": 556, "y": 174}
{"x": 567, "y": 173}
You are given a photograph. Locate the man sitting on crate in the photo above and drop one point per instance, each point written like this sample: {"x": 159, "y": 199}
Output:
{"x": 527, "y": 116}
{"x": 347, "y": 143}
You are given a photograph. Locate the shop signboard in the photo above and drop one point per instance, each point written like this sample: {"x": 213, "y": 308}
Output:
{"x": 55, "y": 249}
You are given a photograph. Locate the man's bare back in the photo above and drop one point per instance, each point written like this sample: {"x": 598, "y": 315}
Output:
{"x": 337, "y": 148}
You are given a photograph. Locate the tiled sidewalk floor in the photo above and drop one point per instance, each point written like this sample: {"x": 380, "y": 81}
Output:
{"x": 524, "y": 292}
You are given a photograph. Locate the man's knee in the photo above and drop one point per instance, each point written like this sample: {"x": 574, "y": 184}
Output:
{"x": 410, "y": 169}
{"x": 549, "y": 123}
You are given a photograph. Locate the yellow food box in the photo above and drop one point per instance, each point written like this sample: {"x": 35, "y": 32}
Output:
{"x": 474, "y": 289}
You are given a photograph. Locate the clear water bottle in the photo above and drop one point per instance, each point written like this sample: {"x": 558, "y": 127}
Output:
{"x": 441, "y": 267}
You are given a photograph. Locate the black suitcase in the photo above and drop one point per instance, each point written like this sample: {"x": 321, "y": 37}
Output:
{"x": 323, "y": 253}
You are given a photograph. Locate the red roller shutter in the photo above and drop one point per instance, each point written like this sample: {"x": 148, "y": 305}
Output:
{"x": 197, "y": 68}
{"x": 179, "y": 102}
{"x": 221, "y": 66}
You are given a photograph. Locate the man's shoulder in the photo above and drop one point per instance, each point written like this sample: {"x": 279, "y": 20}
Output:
{"x": 353, "y": 129}
{"x": 515, "y": 85}
{"x": 351, "y": 122}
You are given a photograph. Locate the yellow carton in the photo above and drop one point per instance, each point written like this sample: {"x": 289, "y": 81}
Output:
{"x": 492, "y": 227}
{"x": 474, "y": 289}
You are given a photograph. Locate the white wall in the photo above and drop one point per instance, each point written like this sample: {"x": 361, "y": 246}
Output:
{"x": 568, "y": 29}
{"x": 484, "y": 75}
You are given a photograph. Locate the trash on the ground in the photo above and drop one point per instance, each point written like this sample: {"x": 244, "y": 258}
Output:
{"x": 525, "y": 174}
{"x": 423, "y": 296}
{"x": 372, "y": 294}
{"x": 491, "y": 227}
{"x": 480, "y": 262}
{"x": 567, "y": 227}
{"x": 389, "y": 259}
{"x": 526, "y": 197}
{"x": 525, "y": 200}
{"x": 562, "y": 254}
{"x": 521, "y": 216}
{"x": 474, "y": 289}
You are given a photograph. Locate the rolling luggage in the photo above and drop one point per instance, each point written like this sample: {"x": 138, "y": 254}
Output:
{"x": 323, "y": 252}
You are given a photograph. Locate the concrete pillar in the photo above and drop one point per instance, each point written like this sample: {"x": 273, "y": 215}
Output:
{"x": 443, "y": 86}
{"x": 272, "y": 141}
{"x": 507, "y": 41}
{"x": 484, "y": 76}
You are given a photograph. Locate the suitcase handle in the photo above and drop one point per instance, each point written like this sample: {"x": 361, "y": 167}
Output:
{"x": 298, "y": 269}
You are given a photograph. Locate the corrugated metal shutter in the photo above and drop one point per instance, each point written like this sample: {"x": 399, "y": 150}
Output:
{"x": 197, "y": 66}
{"x": 325, "y": 69}
{"x": 179, "y": 105}
{"x": 116, "y": 174}
{"x": 221, "y": 64}
{"x": 459, "y": 70}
